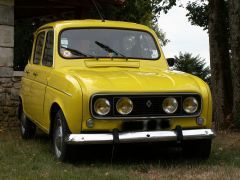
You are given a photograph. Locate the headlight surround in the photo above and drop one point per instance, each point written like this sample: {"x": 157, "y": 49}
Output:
{"x": 190, "y": 105}
{"x": 124, "y": 106}
{"x": 170, "y": 105}
{"x": 102, "y": 106}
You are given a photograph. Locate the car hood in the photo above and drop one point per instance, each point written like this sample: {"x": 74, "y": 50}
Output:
{"x": 99, "y": 80}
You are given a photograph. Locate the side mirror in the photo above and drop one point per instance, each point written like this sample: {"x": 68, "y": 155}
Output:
{"x": 171, "y": 62}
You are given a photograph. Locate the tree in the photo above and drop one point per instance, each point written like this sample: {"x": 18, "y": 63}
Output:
{"x": 213, "y": 15}
{"x": 192, "y": 65}
{"x": 234, "y": 24}
{"x": 220, "y": 63}
{"x": 198, "y": 13}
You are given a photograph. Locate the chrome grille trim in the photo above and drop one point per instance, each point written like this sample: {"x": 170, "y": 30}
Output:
{"x": 142, "y": 95}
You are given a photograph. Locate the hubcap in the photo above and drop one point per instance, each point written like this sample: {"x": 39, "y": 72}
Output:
{"x": 58, "y": 139}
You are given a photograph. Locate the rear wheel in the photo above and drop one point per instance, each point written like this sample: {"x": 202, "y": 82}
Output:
{"x": 28, "y": 128}
{"x": 197, "y": 148}
{"x": 60, "y": 132}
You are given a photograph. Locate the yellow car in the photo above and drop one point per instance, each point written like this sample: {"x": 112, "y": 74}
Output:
{"x": 95, "y": 82}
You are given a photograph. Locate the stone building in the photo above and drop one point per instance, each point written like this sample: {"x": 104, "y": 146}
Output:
{"x": 10, "y": 79}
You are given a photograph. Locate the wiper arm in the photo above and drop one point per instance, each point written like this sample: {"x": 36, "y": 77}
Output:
{"x": 108, "y": 49}
{"x": 76, "y": 52}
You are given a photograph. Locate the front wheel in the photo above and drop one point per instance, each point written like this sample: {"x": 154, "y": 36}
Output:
{"x": 197, "y": 148}
{"x": 60, "y": 132}
{"x": 28, "y": 128}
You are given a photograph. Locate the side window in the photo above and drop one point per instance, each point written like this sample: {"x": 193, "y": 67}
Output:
{"x": 48, "y": 51}
{"x": 39, "y": 48}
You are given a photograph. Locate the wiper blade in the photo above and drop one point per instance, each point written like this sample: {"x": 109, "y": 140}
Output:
{"x": 108, "y": 49}
{"x": 76, "y": 52}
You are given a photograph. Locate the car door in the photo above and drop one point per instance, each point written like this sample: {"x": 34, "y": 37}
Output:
{"x": 37, "y": 88}
{"x": 42, "y": 68}
{"x": 44, "y": 73}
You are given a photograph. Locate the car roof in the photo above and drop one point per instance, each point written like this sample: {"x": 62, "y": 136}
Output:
{"x": 94, "y": 23}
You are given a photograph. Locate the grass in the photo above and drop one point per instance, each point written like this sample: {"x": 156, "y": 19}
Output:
{"x": 33, "y": 159}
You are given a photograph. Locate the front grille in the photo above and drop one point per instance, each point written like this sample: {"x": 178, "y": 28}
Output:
{"x": 145, "y": 106}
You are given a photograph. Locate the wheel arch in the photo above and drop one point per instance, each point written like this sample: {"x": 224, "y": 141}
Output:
{"x": 55, "y": 107}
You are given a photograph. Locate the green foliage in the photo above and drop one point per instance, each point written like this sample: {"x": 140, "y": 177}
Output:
{"x": 198, "y": 11}
{"x": 193, "y": 65}
{"x": 163, "y": 5}
{"x": 139, "y": 11}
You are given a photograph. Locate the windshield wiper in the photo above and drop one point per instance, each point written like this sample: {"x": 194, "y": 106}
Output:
{"x": 108, "y": 49}
{"x": 76, "y": 52}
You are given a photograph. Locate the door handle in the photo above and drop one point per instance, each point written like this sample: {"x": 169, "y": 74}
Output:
{"x": 35, "y": 74}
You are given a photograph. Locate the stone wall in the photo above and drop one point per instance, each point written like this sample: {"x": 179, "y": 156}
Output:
{"x": 9, "y": 84}
{"x": 9, "y": 91}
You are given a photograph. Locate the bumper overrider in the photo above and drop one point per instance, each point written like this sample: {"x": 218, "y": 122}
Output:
{"x": 138, "y": 137}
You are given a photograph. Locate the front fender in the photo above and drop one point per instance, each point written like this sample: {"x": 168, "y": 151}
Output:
{"x": 207, "y": 101}
{"x": 65, "y": 91}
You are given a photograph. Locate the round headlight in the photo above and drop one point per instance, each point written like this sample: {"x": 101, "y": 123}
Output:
{"x": 170, "y": 105}
{"x": 190, "y": 105}
{"x": 124, "y": 106}
{"x": 102, "y": 106}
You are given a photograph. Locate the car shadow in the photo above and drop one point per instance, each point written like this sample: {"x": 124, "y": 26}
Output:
{"x": 166, "y": 153}
{"x": 123, "y": 154}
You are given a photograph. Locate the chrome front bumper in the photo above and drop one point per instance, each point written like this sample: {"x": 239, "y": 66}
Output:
{"x": 135, "y": 137}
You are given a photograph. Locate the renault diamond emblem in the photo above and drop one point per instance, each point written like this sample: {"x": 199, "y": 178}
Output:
{"x": 149, "y": 103}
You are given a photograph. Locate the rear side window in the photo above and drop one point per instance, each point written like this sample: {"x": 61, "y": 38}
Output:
{"x": 48, "y": 51}
{"x": 39, "y": 48}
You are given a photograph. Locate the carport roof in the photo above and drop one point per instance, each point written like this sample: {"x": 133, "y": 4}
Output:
{"x": 34, "y": 8}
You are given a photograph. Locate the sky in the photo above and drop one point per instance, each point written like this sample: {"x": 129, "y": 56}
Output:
{"x": 183, "y": 36}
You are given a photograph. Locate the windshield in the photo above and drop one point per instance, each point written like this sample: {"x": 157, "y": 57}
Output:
{"x": 107, "y": 43}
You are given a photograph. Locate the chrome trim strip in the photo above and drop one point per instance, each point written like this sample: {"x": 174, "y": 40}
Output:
{"x": 144, "y": 136}
{"x": 150, "y": 117}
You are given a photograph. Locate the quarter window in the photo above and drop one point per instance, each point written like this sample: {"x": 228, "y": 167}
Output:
{"x": 48, "y": 51}
{"x": 39, "y": 48}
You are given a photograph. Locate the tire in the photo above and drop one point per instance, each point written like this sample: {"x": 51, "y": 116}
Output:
{"x": 197, "y": 148}
{"x": 60, "y": 132}
{"x": 27, "y": 127}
